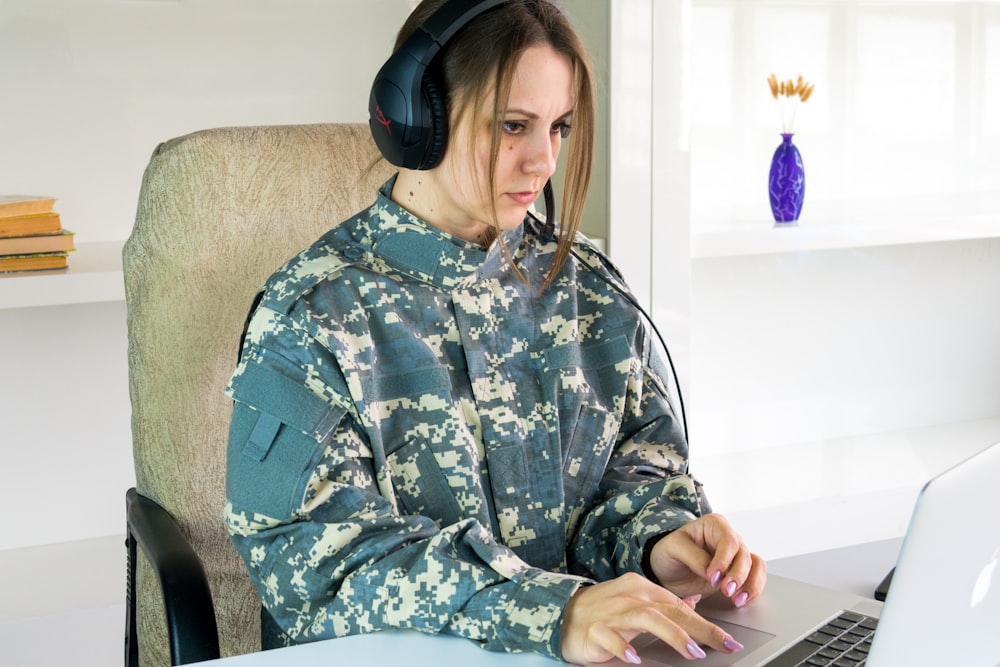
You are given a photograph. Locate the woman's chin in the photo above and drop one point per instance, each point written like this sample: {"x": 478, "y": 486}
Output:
{"x": 513, "y": 216}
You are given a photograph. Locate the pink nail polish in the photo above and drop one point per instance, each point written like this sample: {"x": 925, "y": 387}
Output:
{"x": 692, "y": 600}
{"x": 632, "y": 656}
{"x": 696, "y": 651}
{"x": 716, "y": 577}
{"x": 730, "y": 588}
{"x": 731, "y": 644}
{"x": 741, "y": 599}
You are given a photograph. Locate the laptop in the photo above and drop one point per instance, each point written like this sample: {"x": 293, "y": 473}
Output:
{"x": 943, "y": 607}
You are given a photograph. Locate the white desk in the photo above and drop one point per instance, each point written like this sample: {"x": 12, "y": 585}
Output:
{"x": 857, "y": 569}
{"x": 385, "y": 649}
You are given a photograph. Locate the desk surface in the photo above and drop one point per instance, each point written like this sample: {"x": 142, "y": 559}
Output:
{"x": 393, "y": 648}
{"x": 856, "y": 569}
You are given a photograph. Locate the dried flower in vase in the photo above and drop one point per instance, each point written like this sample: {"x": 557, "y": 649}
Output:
{"x": 789, "y": 94}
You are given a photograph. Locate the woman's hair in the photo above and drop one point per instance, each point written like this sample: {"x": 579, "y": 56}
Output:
{"x": 482, "y": 57}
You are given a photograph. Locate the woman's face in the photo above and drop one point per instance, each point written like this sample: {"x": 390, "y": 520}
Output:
{"x": 537, "y": 117}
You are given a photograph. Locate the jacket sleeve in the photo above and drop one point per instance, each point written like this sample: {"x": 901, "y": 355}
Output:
{"x": 313, "y": 515}
{"x": 646, "y": 488}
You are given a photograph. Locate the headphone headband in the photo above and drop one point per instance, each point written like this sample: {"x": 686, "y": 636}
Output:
{"x": 407, "y": 111}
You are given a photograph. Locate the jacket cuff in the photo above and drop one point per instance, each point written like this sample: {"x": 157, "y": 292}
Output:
{"x": 534, "y": 616}
{"x": 647, "y": 554}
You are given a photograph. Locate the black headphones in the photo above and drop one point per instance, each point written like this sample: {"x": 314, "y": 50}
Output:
{"x": 408, "y": 114}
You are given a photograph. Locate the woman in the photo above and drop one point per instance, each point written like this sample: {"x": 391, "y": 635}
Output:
{"x": 449, "y": 415}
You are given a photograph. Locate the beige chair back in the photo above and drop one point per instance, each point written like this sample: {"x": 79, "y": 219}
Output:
{"x": 219, "y": 211}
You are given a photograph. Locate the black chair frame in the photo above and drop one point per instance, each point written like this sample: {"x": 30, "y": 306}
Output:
{"x": 187, "y": 600}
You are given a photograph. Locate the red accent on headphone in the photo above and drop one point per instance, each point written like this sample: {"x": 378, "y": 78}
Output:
{"x": 383, "y": 120}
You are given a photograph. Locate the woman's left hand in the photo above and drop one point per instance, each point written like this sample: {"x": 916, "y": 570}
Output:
{"x": 707, "y": 555}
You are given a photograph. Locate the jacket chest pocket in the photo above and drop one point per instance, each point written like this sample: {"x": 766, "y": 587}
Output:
{"x": 421, "y": 484}
{"x": 428, "y": 444}
{"x": 596, "y": 374}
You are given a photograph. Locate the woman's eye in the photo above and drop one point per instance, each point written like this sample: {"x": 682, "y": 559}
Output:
{"x": 561, "y": 128}
{"x": 513, "y": 126}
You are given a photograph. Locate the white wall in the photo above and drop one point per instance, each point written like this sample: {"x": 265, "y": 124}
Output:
{"x": 65, "y": 452}
{"x": 91, "y": 86}
{"x": 89, "y": 89}
{"x": 796, "y": 347}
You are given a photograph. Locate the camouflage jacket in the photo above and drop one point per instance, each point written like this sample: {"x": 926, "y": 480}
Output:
{"x": 421, "y": 439}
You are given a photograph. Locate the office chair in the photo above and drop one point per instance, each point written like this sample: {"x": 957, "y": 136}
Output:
{"x": 219, "y": 210}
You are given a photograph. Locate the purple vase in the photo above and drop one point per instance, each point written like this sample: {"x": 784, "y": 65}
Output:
{"x": 787, "y": 182}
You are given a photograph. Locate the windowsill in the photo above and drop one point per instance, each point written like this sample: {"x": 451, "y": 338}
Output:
{"x": 94, "y": 275}
{"x": 750, "y": 230}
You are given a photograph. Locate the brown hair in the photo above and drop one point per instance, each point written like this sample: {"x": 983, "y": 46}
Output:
{"x": 481, "y": 58}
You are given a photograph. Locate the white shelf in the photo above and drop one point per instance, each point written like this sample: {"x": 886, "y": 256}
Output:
{"x": 94, "y": 275}
{"x": 750, "y": 230}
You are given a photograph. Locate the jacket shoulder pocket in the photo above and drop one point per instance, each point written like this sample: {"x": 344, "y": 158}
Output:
{"x": 276, "y": 435}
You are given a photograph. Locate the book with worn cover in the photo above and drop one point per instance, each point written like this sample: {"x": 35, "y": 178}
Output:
{"x": 30, "y": 225}
{"x": 29, "y": 245}
{"x": 13, "y": 205}
{"x": 37, "y": 262}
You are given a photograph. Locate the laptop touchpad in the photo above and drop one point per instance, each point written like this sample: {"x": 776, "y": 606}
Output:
{"x": 655, "y": 652}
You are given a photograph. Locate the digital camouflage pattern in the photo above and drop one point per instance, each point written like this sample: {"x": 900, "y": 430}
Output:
{"x": 420, "y": 439}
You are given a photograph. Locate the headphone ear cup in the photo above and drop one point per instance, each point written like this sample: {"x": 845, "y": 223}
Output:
{"x": 435, "y": 102}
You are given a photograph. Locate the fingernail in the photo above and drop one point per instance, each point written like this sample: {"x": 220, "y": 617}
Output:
{"x": 730, "y": 588}
{"x": 696, "y": 651}
{"x": 692, "y": 600}
{"x": 633, "y": 657}
{"x": 716, "y": 577}
{"x": 741, "y": 599}
{"x": 731, "y": 644}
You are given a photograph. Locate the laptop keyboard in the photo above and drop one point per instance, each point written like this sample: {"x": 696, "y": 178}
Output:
{"x": 843, "y": 642}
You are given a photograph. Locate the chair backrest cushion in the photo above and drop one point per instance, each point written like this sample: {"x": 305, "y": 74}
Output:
{"x": 219, "y": 210}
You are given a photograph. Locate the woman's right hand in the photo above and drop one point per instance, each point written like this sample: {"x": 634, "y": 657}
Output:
{"x": 601, "y": 620}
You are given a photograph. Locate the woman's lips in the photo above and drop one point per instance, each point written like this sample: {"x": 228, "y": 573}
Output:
{"x": 523, "y": 198}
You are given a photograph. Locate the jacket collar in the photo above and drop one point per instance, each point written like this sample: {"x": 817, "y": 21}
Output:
{"x": 415, "y": 248}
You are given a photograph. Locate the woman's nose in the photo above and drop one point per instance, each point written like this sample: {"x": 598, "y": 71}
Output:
{"x": 542, "y": 155}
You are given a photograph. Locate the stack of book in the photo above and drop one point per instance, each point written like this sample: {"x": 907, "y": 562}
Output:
{"x": 31, "y": 235}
